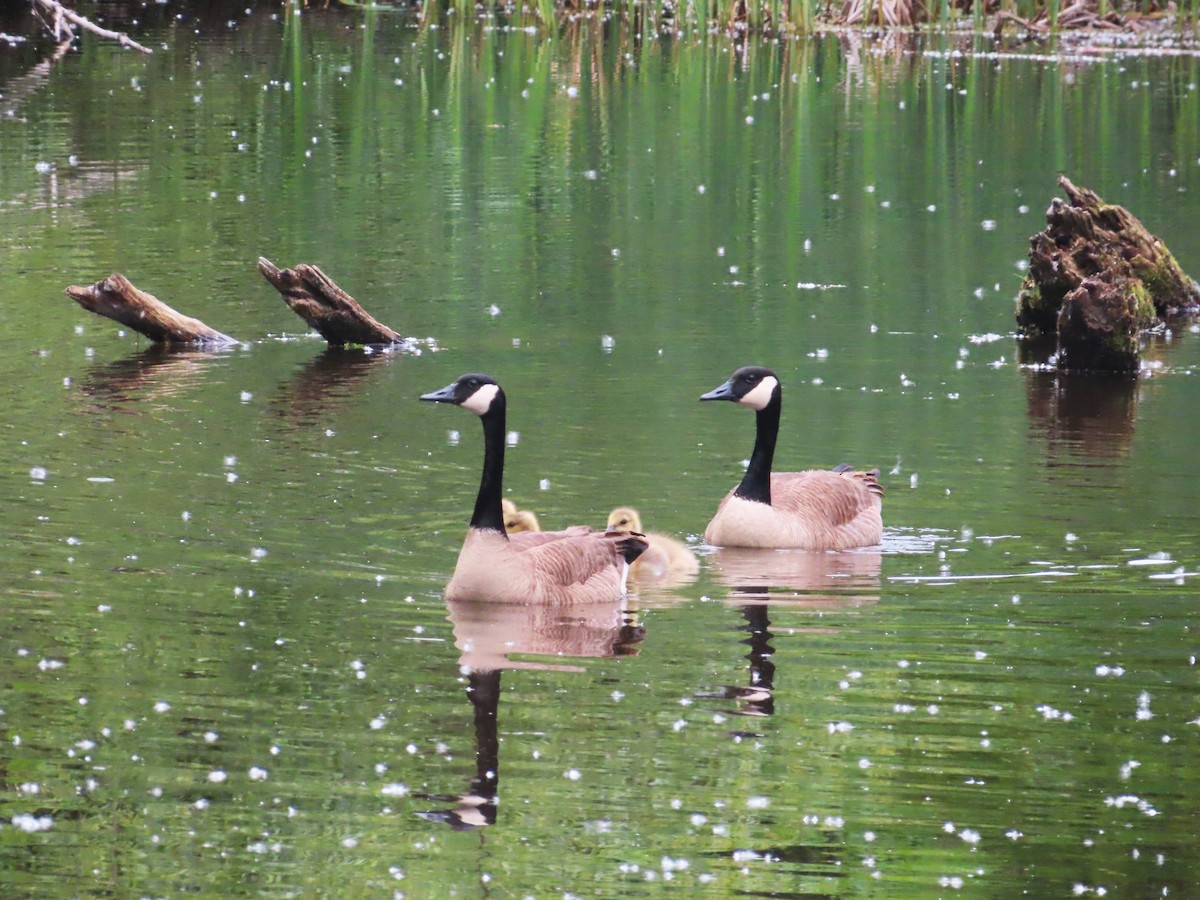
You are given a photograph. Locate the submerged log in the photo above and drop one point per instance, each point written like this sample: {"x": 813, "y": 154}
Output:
{"x": 116, "y": 298}
{"x": 313, "y": 296}
{"x": 1097, "y": 279}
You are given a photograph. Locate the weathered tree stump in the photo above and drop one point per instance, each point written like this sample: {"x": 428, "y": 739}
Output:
{"x": 116, "y": 298}
{"x": 1097, "y": 278}
{"x": 337, "y": 316}
{"x": 1100, "y": 325}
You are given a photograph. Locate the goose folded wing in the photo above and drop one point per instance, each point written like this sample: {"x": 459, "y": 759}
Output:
{"x": 830, "y": 496}
{"x": 576, "y": 559}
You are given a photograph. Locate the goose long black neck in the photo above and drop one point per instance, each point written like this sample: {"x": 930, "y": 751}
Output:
{"x": 756, "y": 483}
{"x": 487, "y": 503}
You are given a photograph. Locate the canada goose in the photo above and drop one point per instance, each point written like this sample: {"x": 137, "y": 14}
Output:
{"x": 665, "y": 558}
{"x": 518, "y": 520}
{"x": 817, "y": 509}
{"x": 572, "y": 566}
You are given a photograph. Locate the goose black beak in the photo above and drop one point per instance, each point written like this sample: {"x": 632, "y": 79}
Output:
{"x": 724, "y": 392}
{"x": 445, "y": 395}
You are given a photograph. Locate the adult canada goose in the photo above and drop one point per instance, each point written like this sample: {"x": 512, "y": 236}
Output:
{"x": 572, "y": 566}
{"x": 817, "y": 509}
{"x": 518, "y": 520}
{"x": 665, "y": 558}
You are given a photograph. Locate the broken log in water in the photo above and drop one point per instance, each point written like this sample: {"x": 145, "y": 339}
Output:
{"x": 313, "y": 296}
{"x": 308, "y": 291}
{"x": 1097, "y": 278}
{"x": 116, "y": 298}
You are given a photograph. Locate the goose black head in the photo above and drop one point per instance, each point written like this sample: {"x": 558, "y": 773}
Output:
{"x": 474, "y": 391}
{"x": 752, "y": 386}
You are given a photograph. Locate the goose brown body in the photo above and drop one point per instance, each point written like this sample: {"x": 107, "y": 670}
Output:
{"x": 816, "y": 509}
{"x": 665, "y": 558}
{"x": 577, "y": 565}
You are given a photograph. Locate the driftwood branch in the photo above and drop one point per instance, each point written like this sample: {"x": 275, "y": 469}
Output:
{"x": 1079, "y": 15}
{"x": 58, "y": 20}
{"x": 117, "y": 299}
{"x": 314, "y": 297}
{"x": 308, "y": 291}
{"x": 1030, "y": 26}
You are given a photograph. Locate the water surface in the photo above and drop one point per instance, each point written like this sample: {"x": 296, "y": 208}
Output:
{"x": 228, "y": 669}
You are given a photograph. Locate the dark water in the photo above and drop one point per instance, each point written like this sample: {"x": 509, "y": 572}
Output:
{"x": 226, "y": 667}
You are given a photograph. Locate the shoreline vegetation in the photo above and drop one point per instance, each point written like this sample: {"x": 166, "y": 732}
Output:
{"x": 1153, "y": 25}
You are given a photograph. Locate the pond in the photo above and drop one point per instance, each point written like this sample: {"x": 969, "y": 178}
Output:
{"x": 227, "y": 668}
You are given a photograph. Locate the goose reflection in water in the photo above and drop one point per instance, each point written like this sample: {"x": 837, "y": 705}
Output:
{"x": 799, "y": 580}
{"x": 809, "y": 579}
{"x": 488, "y": 635}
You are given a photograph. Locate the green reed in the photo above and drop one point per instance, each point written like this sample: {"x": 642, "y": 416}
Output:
{"x": 806, "y": 16}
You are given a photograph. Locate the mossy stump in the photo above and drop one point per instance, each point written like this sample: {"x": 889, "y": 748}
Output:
{"x": 1097, "y": 279}
{"x": 1100, "y": 325}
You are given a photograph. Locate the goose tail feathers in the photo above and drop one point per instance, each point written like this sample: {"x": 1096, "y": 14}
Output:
{"x": 632, "y": 545}
{"x": 870, "y": 477}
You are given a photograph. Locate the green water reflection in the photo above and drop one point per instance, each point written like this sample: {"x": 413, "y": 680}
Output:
{"x": 226, "y": 667}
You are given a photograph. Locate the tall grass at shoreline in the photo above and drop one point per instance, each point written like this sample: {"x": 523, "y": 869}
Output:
{"x": 792, "y": 17}
{"x": 758, "y": 18}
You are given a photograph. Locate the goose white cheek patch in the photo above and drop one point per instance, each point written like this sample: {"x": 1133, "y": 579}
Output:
{"x": 761, "y": 395}
{"x": 481, "y": 401}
